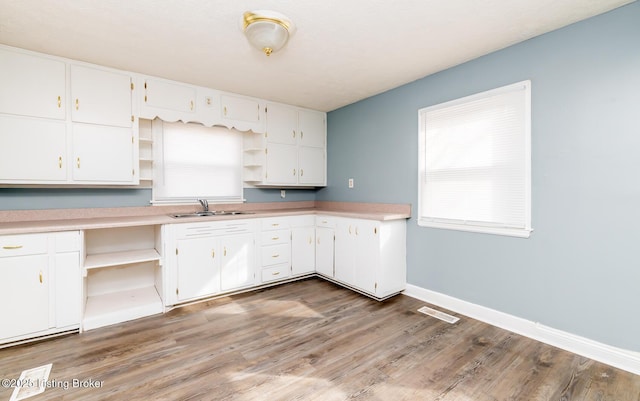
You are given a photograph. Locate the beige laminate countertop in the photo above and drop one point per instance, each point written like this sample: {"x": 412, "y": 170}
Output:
{"x": 24, "y": 222}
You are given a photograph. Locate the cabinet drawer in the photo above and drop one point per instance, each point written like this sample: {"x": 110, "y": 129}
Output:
{"x": 272, "y": 255}
{"x": 18, "y": 245}
{"x": 275, "y": 223}
{"x": 275, "y": 273}
{"x": 326, "y": 221}
{"x": 276, "y": 237}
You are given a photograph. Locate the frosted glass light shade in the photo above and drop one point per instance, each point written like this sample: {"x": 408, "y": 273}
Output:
{"x": 267, "y": 30}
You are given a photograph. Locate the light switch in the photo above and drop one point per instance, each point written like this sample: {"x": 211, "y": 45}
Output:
{"x": 350, "y": 182}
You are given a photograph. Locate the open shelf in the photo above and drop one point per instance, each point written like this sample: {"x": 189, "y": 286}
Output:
{"x": 106, "y": 309}
{"x": 120, "y": 258}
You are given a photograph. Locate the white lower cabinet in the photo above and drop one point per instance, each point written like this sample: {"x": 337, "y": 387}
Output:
{"x": 370, "y": 256}
{"x": 122, "y": 274}
{"x": 325, "y": 234}
{"x": 198, "y": 268}
{"x": 275, "y": 249}
{"x": 208, "y": 258}
{"x": 303, "y": 247}
{"x": 41, "y": 284}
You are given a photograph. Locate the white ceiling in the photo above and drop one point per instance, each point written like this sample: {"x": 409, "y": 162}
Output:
{"x": 343, "y": 50}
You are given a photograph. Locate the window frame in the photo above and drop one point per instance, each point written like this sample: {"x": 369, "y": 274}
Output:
{"x": 477, "y": 226}
{"x": 158, "y": 191}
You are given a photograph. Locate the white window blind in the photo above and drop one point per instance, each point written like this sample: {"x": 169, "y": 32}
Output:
{"x": 192, "y": 161}
{"x": 475, "y": 162}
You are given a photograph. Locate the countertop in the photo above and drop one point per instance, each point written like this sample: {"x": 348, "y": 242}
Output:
{"x": 38, "y": 221}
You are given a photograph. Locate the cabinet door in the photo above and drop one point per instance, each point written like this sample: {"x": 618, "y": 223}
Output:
{"x": 198, "y": 263}
{"x": 32, "y": 149}
{"x": 324, "y": 251}
{"x": 344, "y": 250}
{"x": 68, "y": 289}
{"x": 100, "y": 97}
{"x": 282, "y": 161}
{"x": 303, "y": 250}
{"x": 311, "y": 125}
{"x": 312, "y": 166}
{"x": 24, "y": 289}
{"x": 32, "y": 85}
{"x": 282, "y": 124}
{"x": 367, "y": 258}
{"x": 170, "y": 96}
{"x": 102, "y": 154}
{"x": 238, "y": 261}
{"x": 240, "y": 109}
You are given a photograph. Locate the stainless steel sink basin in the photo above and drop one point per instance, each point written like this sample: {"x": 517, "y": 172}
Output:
{"x": 216, "y": 213}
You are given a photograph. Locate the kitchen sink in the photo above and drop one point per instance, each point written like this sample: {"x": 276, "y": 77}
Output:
{"x": 215, "y": 213}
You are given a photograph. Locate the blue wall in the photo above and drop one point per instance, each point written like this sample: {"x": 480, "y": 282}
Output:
{"x": 67, "y": 198}
{"x": 580, "y": 270}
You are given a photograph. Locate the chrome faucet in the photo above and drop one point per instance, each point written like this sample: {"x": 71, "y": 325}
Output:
{"x": 205, "y": 204}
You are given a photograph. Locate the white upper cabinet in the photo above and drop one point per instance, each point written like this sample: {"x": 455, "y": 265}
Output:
{"x": 102, "y": 154}
{"x": 32, "y": 150}
{"x": 295, "y": 147}
{"x": 311, "y": 125}
{"x": 32, "y": 85}
{"x": 240, "y": 112}
{"x": 170, "y": 101}
{"x": 282, "y": 124}
{"x": 100, "y": 97}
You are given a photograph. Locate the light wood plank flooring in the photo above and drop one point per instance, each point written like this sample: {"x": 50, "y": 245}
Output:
{"x": 312, "y": 340}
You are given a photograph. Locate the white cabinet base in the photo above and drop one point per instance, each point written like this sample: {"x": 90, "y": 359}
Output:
{"x": 116, "y": 307}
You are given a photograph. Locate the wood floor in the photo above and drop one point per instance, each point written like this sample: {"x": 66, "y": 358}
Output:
{"x": 312, "y": 340}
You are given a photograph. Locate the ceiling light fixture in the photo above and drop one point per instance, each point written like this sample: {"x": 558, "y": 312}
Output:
{"x": 267, "y": 30}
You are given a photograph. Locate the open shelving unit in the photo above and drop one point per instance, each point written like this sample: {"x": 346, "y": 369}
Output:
{"x": 145, "y": 141}
{"x": 122, "y": 275}
{"x": 253, "y": 157}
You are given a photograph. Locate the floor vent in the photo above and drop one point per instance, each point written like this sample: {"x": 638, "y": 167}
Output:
{"x": 439, "y": 315}
{"x": 31, "y": 382}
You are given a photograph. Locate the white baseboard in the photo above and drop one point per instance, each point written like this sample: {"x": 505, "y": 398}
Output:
{"x": 616, "y": 357}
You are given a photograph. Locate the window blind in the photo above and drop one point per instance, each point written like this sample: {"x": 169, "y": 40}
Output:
{"x": 192, "y": 161}
{"x": 475, "y": 162}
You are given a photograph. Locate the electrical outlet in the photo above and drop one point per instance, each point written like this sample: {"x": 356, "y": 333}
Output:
{"x": 283, "y": 193}
{"x": 350, "y": 182}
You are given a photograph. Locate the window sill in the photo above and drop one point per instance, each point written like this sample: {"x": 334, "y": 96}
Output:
{"x": 510, "y": 232}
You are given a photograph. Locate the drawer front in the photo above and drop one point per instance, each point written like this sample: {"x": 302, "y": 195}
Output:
{"x": 275, "y": 254}
{"x": 275, "y": 223}
{"x": 276, "y": 237}
{"x": 68, "y": 241}
{"x": 18, "y": 245}
{"x": 212, "y": 228}
{"x": 274, "y": 273}
{"x": 325, "y": 221}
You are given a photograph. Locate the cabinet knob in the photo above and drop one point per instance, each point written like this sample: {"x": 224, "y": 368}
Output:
{"x": 213, "y": 253}
{"x": 59, "y": 102}
{"x": 78, "y": 162}
{"x": 294, "y": 133}
{"x": 60, "y": 162}
{"x": 12, "y": 247}
{"x": 275, "y": 238}
{"x": 277, "y": 255}
{"x": 301, "y": 172}
{"x": 191, "y": 105}
{"x": 77, "y": 104}
{"x": 225, "y": 251}
{"x": 294, "y": 171}
{"x": 275, "y": 273}
{"x": 225, "y": 110}
{"x": 40, "y": 276}
{"x": 301, "y": 134}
